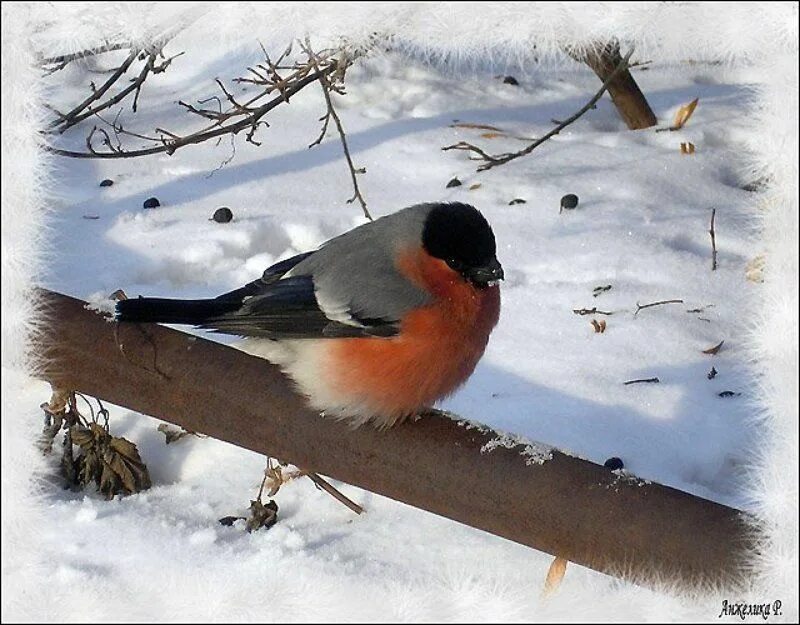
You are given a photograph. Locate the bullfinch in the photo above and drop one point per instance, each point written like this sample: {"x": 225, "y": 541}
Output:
{"x": 375, "y": 325}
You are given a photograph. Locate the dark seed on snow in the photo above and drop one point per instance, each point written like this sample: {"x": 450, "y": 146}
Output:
{"x": 455, "y": 182}
{"x": 570, "y": 201}
{"x": 223, "y": 215}
{"x": 712, "y": 374}
{"x": 614, "y": 464}
{"x": 510, "y": 80}
{"x": 151, "y": 202}
{"x": 517, "y": 200}
{"x": 106, "y": 183}
{"x": 728, "y": 394}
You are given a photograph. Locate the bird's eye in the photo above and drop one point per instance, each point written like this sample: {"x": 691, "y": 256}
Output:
{"x": 454, "y": 264}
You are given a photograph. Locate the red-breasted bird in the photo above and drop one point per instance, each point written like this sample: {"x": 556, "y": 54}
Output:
{"x": 377, "y": 324}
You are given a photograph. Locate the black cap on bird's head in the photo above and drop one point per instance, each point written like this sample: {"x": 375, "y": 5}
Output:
{"x": 460, "y": 235}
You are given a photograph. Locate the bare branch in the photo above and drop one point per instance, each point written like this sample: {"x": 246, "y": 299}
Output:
{"x": 68, "y": 119}
{"x": 60, "y": 62}
{"x": 175, "y": 142}
{"x": 327, "y": 87}
{"x": 500, "y": 159}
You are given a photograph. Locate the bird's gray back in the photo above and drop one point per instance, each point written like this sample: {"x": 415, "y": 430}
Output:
{"x": 359, "y": 266}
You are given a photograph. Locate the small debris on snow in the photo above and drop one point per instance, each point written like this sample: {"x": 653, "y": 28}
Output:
{"x": 712, "y": 374}
{"x": 569, "y": 201}
{"x": 510, "y": 80}
{"x": 223, "y": 215}
{"x": 713, "y": 351}
{"x": 106, "y": 183}
{"x": 151, "y": 202}
{"x": 517, "y": 200}
{"x": 455, "y": 182}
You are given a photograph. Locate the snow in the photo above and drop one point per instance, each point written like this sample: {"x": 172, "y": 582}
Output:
{"x": 641, "y": 226}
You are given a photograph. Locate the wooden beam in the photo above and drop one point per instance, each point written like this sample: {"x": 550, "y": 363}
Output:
{"x": 564, "y": 506}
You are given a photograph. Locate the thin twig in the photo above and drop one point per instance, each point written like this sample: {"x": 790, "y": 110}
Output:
{"x": 500, "y": 159}
{"x": 643, "y": 381}
{"x": 326, "y": 90}
{"x": 322, "y": 484}
{"x": 666, "y": 301}
{"x": 591, "y": 311}
{"x": 169, "y": 146}
{"x": 67, "y": 119}
{"x": 61, "y": 61}
{"x": 713, "y": 241}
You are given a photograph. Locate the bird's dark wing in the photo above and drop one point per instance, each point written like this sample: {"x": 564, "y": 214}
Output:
{"x": 270, "y": 275}
{"x": 287, "y": 308}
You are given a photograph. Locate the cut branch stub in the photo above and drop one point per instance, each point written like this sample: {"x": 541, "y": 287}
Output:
{"x": 625, "y": 93}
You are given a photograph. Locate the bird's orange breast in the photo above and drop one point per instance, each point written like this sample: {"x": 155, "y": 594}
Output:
{"x": 435, "y": 351}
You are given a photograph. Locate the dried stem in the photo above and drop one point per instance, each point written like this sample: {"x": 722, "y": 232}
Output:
{"x": 666, "y": 301}
{"x": 591, "y": 311}
{"x": 713, "y": 241}
{"x": 333, "y": 492}
{"x": 500, "y": 159}
{"x": 643, "y": 381}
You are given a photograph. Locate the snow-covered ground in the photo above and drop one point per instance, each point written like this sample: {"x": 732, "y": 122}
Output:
{"x": 641, "y": 227}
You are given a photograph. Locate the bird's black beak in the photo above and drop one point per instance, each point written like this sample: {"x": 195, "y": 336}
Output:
{"x": 485, "y": 276}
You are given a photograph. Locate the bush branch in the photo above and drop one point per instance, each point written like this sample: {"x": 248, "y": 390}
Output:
{"x": 501, "y": 159}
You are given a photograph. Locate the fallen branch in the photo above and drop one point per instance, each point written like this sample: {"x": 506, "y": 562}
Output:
{"x": 542, "y": 498}
{"x": 500, "y": 159}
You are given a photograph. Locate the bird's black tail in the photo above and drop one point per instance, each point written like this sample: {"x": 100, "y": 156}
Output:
{"x": 180, "y": 311}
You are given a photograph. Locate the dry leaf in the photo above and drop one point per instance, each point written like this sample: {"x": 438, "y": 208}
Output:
{"x": 599, "y": 326}
{"x": 713, "y": 350}
{"x": 111, "y": 462}
{"x": 493, "y": 135}
{"x": 554, "y": 576}
{"x": 684, "y": 113}
{"x": 754, "y": 271}
{"x": 118, "y": 295}
{"x": 262, "y": 515}
{"x": 477, "y": 185}
{"x": 687, "y": 148}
